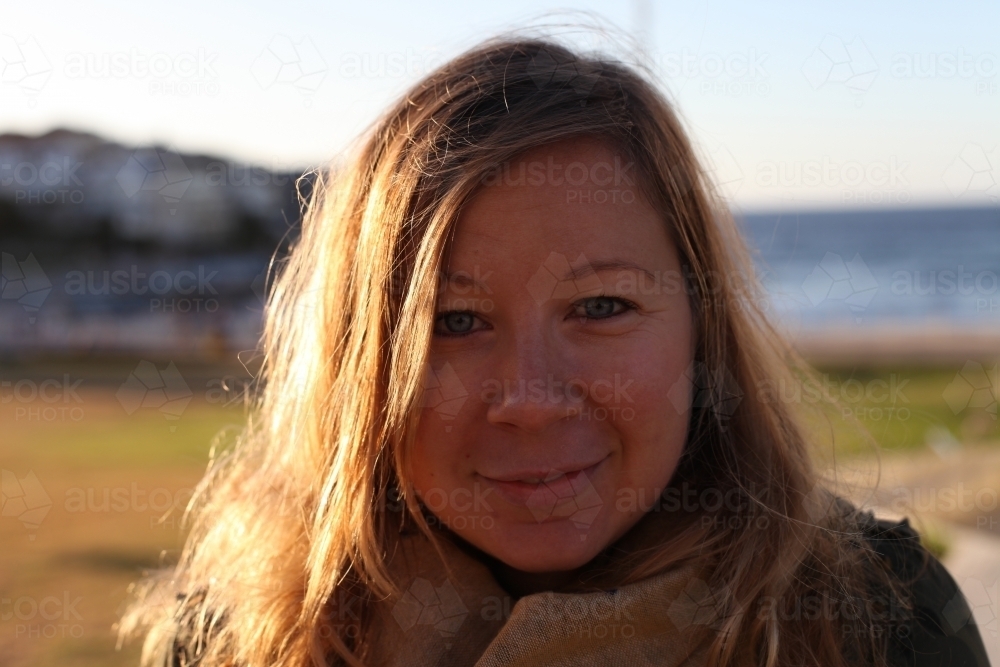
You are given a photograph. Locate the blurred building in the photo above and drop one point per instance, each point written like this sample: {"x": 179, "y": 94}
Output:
{"x": 112, "y": 249}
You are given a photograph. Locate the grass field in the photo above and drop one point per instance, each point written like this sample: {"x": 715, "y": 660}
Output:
{"x": 904, "y": 408}
{"x": 117, "y": 481}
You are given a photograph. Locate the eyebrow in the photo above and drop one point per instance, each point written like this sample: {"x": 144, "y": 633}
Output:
{"x": 591, "y": 268}
{"x": 461, "y": 279}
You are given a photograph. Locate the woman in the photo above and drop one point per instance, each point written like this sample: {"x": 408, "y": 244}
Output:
{"x": 516, "y": 411}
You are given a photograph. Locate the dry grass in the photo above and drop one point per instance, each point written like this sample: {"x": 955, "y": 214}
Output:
{"x": 63, "y": 584}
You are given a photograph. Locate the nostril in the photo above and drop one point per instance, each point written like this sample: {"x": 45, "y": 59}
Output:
{"x": 527, "y": 404}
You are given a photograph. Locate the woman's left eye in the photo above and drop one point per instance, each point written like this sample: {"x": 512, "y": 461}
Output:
{"x": 601, "y": 307}
{"x": 455, "y": 323}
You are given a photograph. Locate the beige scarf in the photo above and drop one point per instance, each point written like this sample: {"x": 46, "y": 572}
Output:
{"x": 460, "y": 616}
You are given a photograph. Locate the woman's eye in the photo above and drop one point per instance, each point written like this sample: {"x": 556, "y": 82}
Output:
{"x": 600, "y": 307}
{"x": 454, "y": 323}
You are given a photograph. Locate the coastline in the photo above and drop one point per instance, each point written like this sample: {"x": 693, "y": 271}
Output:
{"x": 924, "y": 344}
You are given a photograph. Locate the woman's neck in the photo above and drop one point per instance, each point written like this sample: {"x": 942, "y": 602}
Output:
{"x": 519, "y": 583}
{"x": 516, "y": 582}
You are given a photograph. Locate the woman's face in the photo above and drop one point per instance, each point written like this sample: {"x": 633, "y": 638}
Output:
{"x": 556, "y": 402}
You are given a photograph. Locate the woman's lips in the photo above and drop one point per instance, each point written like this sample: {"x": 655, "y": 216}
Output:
{"x": 531, "y": 489}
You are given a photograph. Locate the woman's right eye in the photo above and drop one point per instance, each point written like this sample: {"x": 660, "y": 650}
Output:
{"x": 455, "y": 323}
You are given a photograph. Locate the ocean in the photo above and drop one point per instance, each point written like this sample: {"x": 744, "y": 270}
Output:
{"x": 879, "y": 268}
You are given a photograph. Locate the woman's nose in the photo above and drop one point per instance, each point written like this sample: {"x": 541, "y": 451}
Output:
{"x": 532, "y": 389}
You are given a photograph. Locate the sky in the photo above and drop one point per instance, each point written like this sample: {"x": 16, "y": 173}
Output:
{"x": 791, "y": 105}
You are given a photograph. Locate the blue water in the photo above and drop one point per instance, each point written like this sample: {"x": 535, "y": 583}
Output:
{"x": 880, "y": 267}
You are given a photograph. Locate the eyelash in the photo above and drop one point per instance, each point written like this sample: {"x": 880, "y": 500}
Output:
{"x": 440, "y": 317}
{"x": 627, "y": 306}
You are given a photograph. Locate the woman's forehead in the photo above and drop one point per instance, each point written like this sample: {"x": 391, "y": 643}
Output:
{"x": 583, "y": 148}
{"x": 559, "y": 197}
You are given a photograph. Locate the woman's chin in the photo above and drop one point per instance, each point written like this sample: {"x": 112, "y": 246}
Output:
{"x": 552, "y": 546}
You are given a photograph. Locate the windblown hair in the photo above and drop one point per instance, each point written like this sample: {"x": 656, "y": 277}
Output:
{"x": 295, "y": 514}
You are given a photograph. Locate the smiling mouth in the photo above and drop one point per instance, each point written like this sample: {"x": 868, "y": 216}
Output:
{"x": 520, "y": 489}
{"x": 537, "y": 478}
{"x": 554, "y": 475}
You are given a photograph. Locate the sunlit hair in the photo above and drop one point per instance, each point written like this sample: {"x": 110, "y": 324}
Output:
{"x": 296, "y": 514}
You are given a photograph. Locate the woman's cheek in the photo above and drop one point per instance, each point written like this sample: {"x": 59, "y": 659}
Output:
{"x": 652, "y": 420}
{"x": 441, "y": 455}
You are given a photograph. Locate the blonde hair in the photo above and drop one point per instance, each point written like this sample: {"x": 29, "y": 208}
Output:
{"x": 296, "y": 514}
